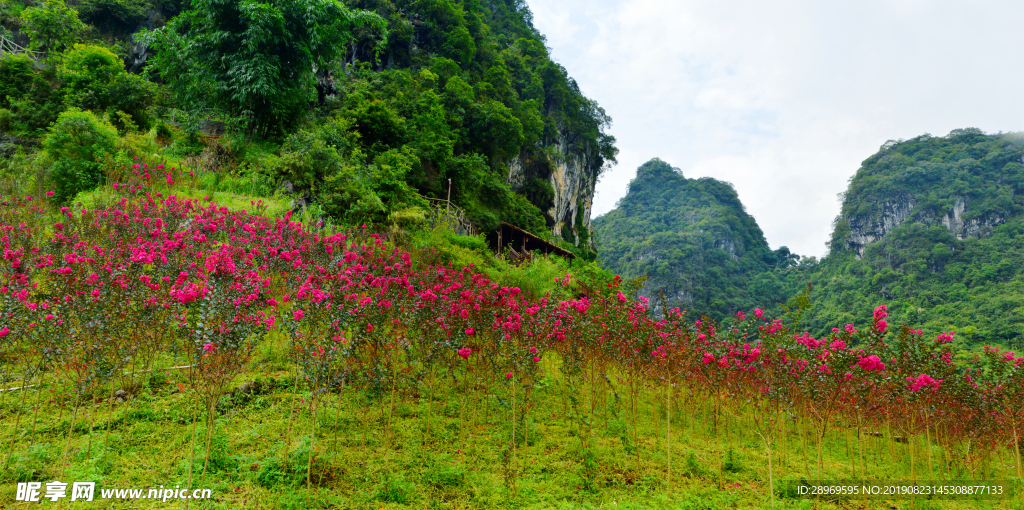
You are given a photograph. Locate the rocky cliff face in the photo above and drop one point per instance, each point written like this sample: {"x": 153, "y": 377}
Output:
{"x": 868, "y": 228}
{"x": 964, "y": 228}
{"x": 573, "y": 178}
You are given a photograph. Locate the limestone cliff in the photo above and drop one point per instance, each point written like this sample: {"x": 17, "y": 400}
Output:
{"x": 572, "y": 172}
{"x": 890, "y": 214}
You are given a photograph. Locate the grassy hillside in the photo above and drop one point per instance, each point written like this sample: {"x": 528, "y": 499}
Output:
{"x": 162, "y": 341}
{"x": 367, "y": 456}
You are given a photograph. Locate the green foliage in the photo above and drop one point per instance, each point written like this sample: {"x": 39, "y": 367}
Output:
{"x": 395, "y": 489}
{"x": 328, "y": 160}
{"x": 16, "y": 72}
{"x": 539, "y": 192}
{"x": 692, "y": 237}
{"x": 474, "y": 91}
{"x": 163, "y": 131}
{"x": 255, "y": 58}
{"x": 519, "y": 211}
{"x": 220, "y": 459}
{"x": 28, "y": 95}
{"x": 120, "y": 16}
{"x": 77, "y": 144}
{"x": 310, "y": 156}
{"x": 94, "y": 78}
{"x": 85, "y": 71}
{"x": 52, "y": 26}
{"x": 445, "y": 476}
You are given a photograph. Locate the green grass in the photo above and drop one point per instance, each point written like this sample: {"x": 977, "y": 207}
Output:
{"x": 259, "y": 456}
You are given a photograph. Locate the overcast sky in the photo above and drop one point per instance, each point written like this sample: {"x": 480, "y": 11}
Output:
{"x": 784, "y": 99}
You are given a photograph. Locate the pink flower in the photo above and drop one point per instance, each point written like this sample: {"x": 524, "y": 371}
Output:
{"x": 922, "y": 381}
{"x": 759, "y": 313}
{"x": 508, "y": 375}
{"x": 369, "y": 328}
{"x": 740, "y": 316}
{"x": 465, "y": 352}
{"x": 208, "y": 348}
{"x": 211, "y": 263}
{"x": 881, "y": 313}
{"x": 298, "y": 315}
{"x": 536, "y": 359}
{"x": 469, "y": 331}
{"x": 4, "y": 332}
{"x": 871, "y": 363}
{"x": 880, "y": 326}
{"x": 533, "y": 350}
{"x": 49, "y": 193}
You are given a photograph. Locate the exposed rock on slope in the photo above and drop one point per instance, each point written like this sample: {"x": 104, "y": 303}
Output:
{"x": 572, "y": 174}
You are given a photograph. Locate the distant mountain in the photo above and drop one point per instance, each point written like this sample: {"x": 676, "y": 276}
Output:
{"x": 694, "y": 240}
{"x": 931, "y": 226}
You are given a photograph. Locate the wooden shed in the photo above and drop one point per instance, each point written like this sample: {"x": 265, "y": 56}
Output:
{"x": 522, "y": 244}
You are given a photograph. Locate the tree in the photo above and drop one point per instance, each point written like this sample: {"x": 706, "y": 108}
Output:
{"x": 52, "y": 26}
{"x": 255, "y": 58}
{"x": 93, "y": 78}
{"x": 76, "y": 143}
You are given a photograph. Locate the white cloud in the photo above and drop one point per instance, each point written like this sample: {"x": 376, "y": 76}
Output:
{"x": 785, "y": 99}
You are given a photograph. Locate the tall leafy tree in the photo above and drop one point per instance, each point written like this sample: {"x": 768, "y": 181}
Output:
{"x": 52, "y": 26}
{"x": 255, "y": 58}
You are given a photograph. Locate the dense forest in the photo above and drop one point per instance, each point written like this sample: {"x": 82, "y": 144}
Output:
{"x": 694, "y": 241}
{"x": 363, "y": 109}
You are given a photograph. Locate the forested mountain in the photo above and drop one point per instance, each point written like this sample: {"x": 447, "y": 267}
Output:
{"x": 695, "y": 242}
{"x": 932, "y": 227}
{"x": 364, "y": 107}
